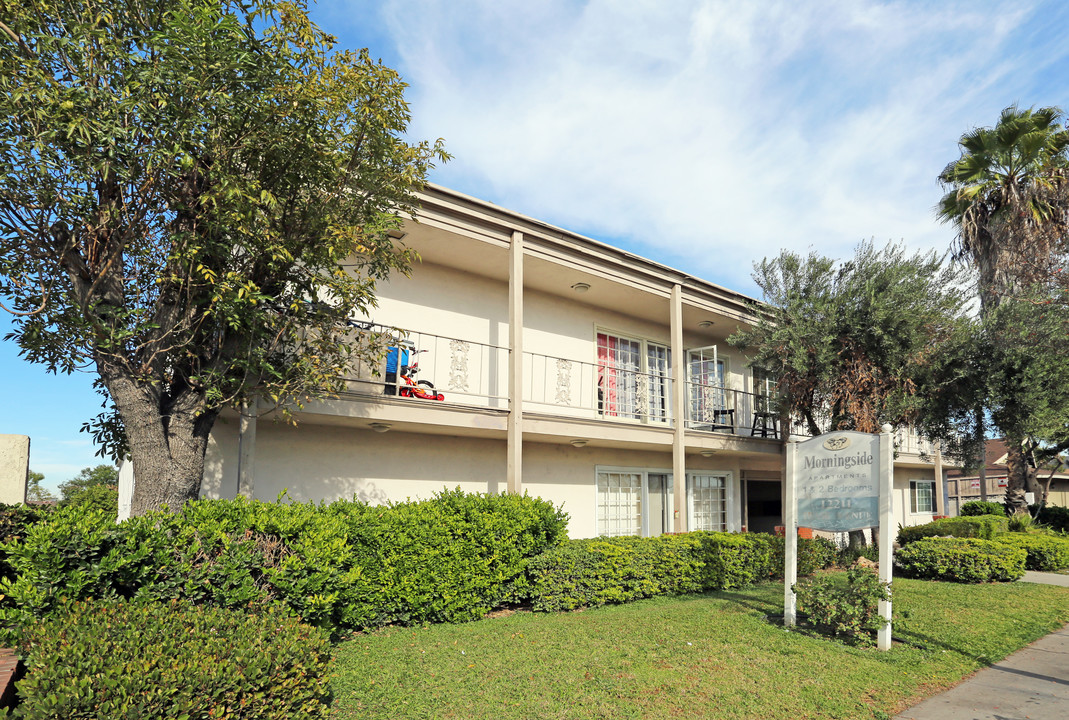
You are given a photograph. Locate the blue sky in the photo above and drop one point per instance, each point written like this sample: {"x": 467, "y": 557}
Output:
{"x": 704, "y": 135}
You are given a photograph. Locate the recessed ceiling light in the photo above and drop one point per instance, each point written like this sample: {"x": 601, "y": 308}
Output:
{"x": 707, "y": 453}
{"x": 380, "y": 427}
{"x": 579, "y": 442}
{"x": 581, "y": 287}
{"x": 706, "y": 324}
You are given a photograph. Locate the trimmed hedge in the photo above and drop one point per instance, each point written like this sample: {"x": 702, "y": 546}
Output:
{"x": 966, "y": 560}
{"x": 813, "y": 554}
{"x": 583, "y": 573}
{"x": 974, "y": 508}
{"x": 586, "y": 573}
{"x": 1045, "y": 552}
{"x": 984, "y": 527}
{"x": 343, "y": 564}
{"x": 117, "y": 660}
{"x": 1055, "y": 517}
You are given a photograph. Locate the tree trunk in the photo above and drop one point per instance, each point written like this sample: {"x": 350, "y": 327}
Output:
{"x": 981, "y": 442}
{"x": 857, "y": 539}
{"x": 167, "y": 440}
{"x": 1017, "y": 477}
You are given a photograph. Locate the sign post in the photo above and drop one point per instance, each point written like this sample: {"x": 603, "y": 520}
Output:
{"x": 883, "y": 636}
{"x": 839, "y": 482}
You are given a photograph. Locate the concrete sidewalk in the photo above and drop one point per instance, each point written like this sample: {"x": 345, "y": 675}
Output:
{"x": 1031, "y": 684}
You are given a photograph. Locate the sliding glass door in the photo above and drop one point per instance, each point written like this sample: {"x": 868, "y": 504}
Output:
{"x": 635, "y": 501}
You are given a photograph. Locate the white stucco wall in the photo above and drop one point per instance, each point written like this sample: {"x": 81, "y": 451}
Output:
{"x": 323, "y": 462}
{"x": 14, "y": 468}
{"x": 320, "y": 462}
{"x": 902, "y": 477}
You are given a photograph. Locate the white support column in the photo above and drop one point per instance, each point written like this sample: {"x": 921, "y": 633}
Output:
{"x": 940, "y": 490}
{"x": 514, "y": 463}
{"x": 790, "y": 538}
{"x": 126, "y": 489}
{"x": 887, "y": 469}
{"x": 247, "y": 448}
{"x": 679, "y": 395}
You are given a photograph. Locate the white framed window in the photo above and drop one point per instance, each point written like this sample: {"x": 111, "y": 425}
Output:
{"x": 633, "y": 378}
{"x": 922, "y": 496}
{"x": 620, "y": 502}
{"x": 639, "y": 501}
{"x": 764, "y": 389}
{"x": 707, "y": 501}
{"x": 710, "y": 406}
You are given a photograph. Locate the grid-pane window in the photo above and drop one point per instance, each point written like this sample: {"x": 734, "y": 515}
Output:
{"x": 658, "y": 364}
{"x": 922, "y": 496}
{"x": 764, "y": 388}
{"x": 708, "y": 397}
{"x": 620, "y": 503}
{"x": 632, "y": 378}
{"x": 708, "y": 502}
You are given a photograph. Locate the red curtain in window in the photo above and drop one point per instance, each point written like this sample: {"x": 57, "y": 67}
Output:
{"x": 607, "y": 375}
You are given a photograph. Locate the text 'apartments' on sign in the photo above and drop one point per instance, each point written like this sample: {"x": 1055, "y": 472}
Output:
{"x": 838, "y": 482}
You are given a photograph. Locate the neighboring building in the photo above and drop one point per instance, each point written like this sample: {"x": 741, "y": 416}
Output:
{"x": 557, "y": 357}
{"x": 14, "y": 468}
{"x": 961, "y": 488}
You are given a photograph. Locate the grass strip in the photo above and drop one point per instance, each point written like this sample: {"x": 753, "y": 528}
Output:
{"x": 701, "y": 656}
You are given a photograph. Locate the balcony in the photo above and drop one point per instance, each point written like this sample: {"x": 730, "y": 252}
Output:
{"x": 467, "y": 373}
{"x": 475, "y": 374}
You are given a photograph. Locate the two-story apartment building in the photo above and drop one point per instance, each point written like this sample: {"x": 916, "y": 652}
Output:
{"x": 567, "y": 369}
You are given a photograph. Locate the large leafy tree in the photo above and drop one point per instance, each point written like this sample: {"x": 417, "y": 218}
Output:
{"x": 73, "y": 490}
{"x": 1005, "y": 196}
{"x": 861, "y": 343}
{"x": 194, "y": 197}
{"x": 35, "y": 490}
{"x": 856, "y": 344}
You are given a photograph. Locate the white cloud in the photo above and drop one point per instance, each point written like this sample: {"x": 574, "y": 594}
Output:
{"x": 710, "y": 134}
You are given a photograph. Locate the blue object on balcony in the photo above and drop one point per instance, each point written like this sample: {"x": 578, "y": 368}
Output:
{"x": 391, "y": 359}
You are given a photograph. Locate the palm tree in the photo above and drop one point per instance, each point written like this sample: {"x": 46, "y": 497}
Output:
{"x": 1005, "y": 196}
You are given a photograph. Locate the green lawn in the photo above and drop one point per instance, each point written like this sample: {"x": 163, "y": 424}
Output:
{"x": 707, "y": 656}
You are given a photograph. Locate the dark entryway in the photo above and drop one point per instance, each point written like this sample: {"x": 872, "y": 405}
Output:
{"x": 764, "y": 505}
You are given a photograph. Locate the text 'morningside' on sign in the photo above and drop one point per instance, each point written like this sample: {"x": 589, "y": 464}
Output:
{"x": 838, "y": 484}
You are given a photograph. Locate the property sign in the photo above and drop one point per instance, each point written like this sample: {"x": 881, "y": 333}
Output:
{"x": 837, "y": 481}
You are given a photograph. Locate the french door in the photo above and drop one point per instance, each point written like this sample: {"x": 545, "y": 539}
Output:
{"x": 632, "y": 501}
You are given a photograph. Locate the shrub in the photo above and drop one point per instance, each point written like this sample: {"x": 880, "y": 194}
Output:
{"x": 342, "y": 564}
{"x": 983, "y": 527}
{"x": 813, "y": 554}
{"x": 974, "y": 508}
{"x": 965, "y": 560}
{"x": 1019, "y": 522}
{"x": 585, "y": 573}
{"x": 1045, "y": 552}
{"x": 850, "y": 609}
{"x": 734, "y": 560}
{"x": 1053, "y": 516}
{"x": 100, "y": 497}
{"x": 16, "y": 519}
{"x": 849, "y": 555}
{"x": 15, "y": 522}
{"x": 450, "y": 559}
{"x": 118, "y": 660}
